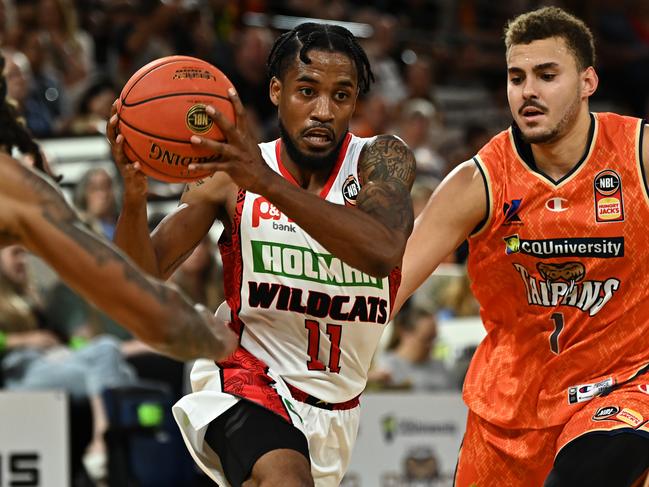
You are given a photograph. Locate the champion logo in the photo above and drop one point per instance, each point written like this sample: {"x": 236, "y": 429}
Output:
{"x": 557, "y": 204}
{"x": 644, "y": 388}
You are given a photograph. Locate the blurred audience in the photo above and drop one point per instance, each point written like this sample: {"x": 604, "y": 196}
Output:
{"x": 35, "y": 358}
{"x": 200, "y": 275}
{"x": 408, "y": 361}
{"x": 69, "y": 50}
{"x": 94, "y": 108}
{"x": 95, "y": 196}
{"x": 418, "y": 117}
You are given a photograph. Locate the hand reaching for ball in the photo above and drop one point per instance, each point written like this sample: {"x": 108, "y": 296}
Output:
{"x": 239, "y": 155}
{"x": 135, "y": 181}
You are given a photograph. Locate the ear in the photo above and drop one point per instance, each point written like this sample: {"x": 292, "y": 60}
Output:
{"x": 589, "y": 82}
{"x": 275, "y": 90}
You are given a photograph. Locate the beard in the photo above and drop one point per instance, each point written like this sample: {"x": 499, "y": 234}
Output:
{"x": 310, "y": 161}
{"x": 554, "y": 133}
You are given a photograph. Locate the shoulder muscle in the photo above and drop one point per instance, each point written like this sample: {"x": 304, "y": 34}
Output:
{"x": 387, "y": 171}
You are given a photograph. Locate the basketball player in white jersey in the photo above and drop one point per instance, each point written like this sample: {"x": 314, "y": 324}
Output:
{"x": 33, "y": 213}
{"x": 315, "y": 227}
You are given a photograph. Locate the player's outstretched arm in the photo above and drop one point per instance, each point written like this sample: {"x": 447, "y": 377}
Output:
{"x": 456, "y": 208}
{"x": 370, "y": 237}
{"x": 132, "y": 231}
{"x": 35, "y": 214}
{"x": 160, "y": 253}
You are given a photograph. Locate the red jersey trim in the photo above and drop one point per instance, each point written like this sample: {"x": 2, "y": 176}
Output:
{"x": 233, "y": 265}
{"x": 324, "y": 192}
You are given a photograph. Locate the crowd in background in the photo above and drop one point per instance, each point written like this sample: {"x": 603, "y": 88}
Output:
{"x": 440, "y": 85}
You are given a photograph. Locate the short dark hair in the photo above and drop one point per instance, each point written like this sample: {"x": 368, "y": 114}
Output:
{"x": 325, "y": 37}
{"x": 553, "y": 22}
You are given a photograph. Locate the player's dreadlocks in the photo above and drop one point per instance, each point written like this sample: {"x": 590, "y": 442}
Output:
{"x": 13, "y": 133}
{"x": 325, "y": 37}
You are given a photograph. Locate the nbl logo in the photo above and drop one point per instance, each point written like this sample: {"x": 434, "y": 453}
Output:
{"x": 351, "y": 188}
{"x": 198, "y": 121}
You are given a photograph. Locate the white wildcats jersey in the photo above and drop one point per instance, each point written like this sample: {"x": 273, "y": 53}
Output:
{"x": 312, "y": 318}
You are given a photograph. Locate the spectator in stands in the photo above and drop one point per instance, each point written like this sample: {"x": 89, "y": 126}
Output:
{"x": 382, "y": 49}
{"x": 415, "y": 128}
{"x": 94, "y": 108}
{"x": 7, "y": 20}
{"x": 420, "y": 194}
{"x": 200, "y": 276}
{"x": 29, "y": 94}
{"x": 249, "y": 49}
{"x": 372, "y": 117}
{"x": 474, "y": 136}
{"x": 408, "y": 361}
{"x": 69, "y": 50}
{"x": 47, "y": 100}
{"x": 95, "y": 197}
{"x": 420, "y": 79}
{"x": 36, "y": 359}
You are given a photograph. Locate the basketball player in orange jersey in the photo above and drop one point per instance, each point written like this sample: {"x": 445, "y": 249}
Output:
{"x": 33, "y": 213}
{"x": 556, "y": 211}
{"x": 315, "y": 227}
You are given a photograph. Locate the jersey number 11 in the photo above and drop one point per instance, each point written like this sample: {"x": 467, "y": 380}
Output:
{"x": 313, "y": 349}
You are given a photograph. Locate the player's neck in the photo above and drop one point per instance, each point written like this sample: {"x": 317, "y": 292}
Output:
{"x": 306, "y": 177}
{"x": 557, "y": 158}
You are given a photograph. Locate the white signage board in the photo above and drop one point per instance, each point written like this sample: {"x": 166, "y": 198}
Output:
{"x": 34, "y": 439}
{"x": 407, "y": 440}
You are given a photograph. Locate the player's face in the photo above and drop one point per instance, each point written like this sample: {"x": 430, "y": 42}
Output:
{"x": 315, "y": 104}
{"x": 545, "y": 88}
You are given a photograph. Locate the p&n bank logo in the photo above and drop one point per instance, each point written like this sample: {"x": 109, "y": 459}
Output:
{"x": 262, "y": 209}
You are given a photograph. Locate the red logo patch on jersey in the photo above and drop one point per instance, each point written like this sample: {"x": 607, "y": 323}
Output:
{"x": 557, "y": 204}
{"x": 644, "y": 388}
{"x": 262, "y": 209}
{"x": 609, "y": 206}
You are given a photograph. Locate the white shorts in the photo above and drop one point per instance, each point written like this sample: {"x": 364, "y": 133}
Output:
{"x": 330, "y": 434}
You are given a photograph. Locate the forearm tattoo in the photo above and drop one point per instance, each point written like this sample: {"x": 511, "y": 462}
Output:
{"x": 191, "y": 337}
{"x": 387, "y": 171}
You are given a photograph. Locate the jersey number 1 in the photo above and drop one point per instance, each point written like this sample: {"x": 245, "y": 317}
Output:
{"x": 334, "y": 332}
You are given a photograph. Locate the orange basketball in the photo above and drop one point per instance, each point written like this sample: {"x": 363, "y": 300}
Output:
{"x": 162, "y": 106}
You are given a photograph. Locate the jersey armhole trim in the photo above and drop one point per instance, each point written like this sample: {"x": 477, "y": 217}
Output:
{"x": 480, "y": 227}
{"x": 643, "y": 174}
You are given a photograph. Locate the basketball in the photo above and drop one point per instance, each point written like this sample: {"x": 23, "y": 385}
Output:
{"x": 162, "y": 106}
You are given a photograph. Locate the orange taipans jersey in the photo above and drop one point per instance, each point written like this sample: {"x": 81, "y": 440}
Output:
{"x": 561, "y": 270}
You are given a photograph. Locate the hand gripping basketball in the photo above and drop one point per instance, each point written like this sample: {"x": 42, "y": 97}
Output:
{"x": 238, "y": 155}
{"x": 162, "y": 105}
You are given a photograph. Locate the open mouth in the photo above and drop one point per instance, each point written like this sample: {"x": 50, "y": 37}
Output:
{"x": 318, "y": 138}
{"x": 532, "y": 113}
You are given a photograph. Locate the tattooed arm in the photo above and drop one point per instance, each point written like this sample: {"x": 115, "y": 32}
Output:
{"x": 372, "y": 236}
{"x": 33, "y": 212}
